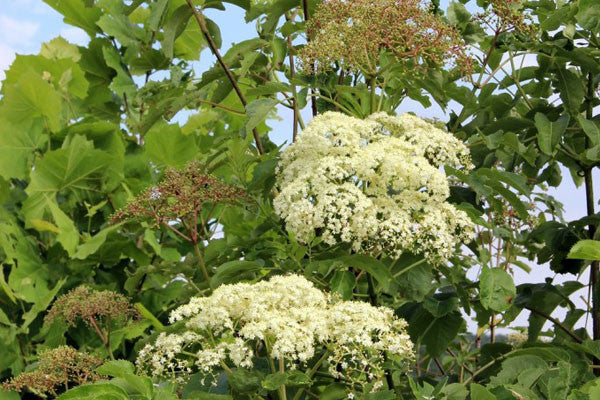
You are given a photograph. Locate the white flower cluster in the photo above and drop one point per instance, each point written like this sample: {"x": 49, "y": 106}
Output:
{"x": 375, "y": 184}
{"x": 516, "y": 339}
{"x": 286, "y": 318}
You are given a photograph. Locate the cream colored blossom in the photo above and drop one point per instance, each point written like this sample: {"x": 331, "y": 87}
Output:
{"x": 516, "y": 339}
{"x": 375, "y": 184}
{"x": 290, "y": 318}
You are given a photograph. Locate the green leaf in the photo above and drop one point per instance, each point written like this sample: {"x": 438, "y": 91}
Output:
{"x": 588, "y": 15}
{"x": 77, "y": 13}
{"x": 279, "y": 50}
{"x": 481, "y": 393}
{"x": 439, "y": 306}
{"x": 543, "y": 297}
{"x": 174, "y": 27}
{"x": 371, "y": 265}
{"x": 234, "y": 271}
{"x": 157, "y": 11}
{"x": 555, "y": 19}
{"x": 381, "y": 395}
{"x": 28, "y": 278}
{"x": 145, "y": 313}
{"x": 590, "y": 129}
{"x": 343, "y": 283}
{"x": 182, "y": 35}
{"x": 335, "y": 391}
{"x": 263, "y": 175}
{"x": 134, "y": 385}
{"x": 119, "y": 27}
{"x": 525, "y": 369}
{"x": 108, "y": 138}
{"x": 32, "y": 97}
{"x": 269, "y": 88}
{"x": 116, "y": 368}
{"x": 9, "y": 395}
{"x": 297, "y": 378}
{"x": 214, "y": 31}
{"x": 257, "y": 111}
{"x": 274, "y": 381}
{"x": 435, "y": 333}
{"x": 58, "y": 48}
{"x": 149, "y": 60}
{"x": 68, "y": 235}
{"x": 64, "y": 74}
{"x": 98, "y": 391}
{"x": 166, "y": 145}
{"x": 458, "y": 14}
{"x": 122, "y": 83}
{"x": 572, "y": 92}
{"x": 497, "y": 290}
{"x": 197, "y": 395}
{"x": 42, "y": 304}
{"x": 77, "y": 169}
{"x": 585, "y": 250}
{"x": 413, "y": 278}
{"x": 17, "y": 146}
{"x": 245, "y": 381}
{"x": 245, "y": 4}
{"x": 455, "y": 391}
{"x": 549, "y": 133}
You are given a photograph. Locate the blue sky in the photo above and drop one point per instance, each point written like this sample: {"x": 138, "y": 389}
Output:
{"x": 26, "y": 24}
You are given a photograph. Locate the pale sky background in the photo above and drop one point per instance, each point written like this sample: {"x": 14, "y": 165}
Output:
{"x": 26, "y": 24}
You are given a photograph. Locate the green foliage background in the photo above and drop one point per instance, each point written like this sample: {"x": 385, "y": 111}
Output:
{"x": 84, "y": 129}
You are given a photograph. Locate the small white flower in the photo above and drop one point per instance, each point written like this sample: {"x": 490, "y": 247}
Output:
{"x": 296, "y": 318}
{"x": 375, "y": 184}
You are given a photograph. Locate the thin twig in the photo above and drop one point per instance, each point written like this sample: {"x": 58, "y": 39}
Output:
{"x": 232, "y": 110}
{"x": 213, "y": 47}
{"x": 556, "y": 322}
{"x": 313, "y": 100}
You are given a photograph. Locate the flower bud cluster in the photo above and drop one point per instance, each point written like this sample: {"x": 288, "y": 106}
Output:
{"x": 375, "y": 184}
{"x": 85, "y": 304}
{"x": 508, "y": 16}
{"x": 289, "y": 318}
{"x": 180, "y": 194}
{"x": 354, "y": 34}
{"x": 57, "y": 369}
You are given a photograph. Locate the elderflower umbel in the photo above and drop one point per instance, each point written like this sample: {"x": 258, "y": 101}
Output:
{"x": 57, "y": 369}
{"x": 375, "y": 184}
{"x": 355, "y": 33}
{"x": 288, "y": 318}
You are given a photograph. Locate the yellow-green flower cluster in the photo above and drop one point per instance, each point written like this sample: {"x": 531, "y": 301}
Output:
{"x": 290, "y": 320}
{"x": 355, "y": 33}
{"x": 375, "y": 184}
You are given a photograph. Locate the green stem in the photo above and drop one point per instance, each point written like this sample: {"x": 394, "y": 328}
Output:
{"x": 313, "y": 92}
{"x": 557, "y": 323}
{"x": 375, "y": 303}
{"x": 589, "y": 196}
{"x": 397, "y": 274}
{"x": 202, "y": 263}
{"x": 105, "y": 342}
{"x": 335, "y": 103}
{"x": 516, "y": 81}
{"x": 373, "y": 85}
{"x": 294, "y": 91}
{"x": 282, "y": 389}
{"x": 486, "y": 366}
{"x": 215, "y": 50}
{"x": 312, "y": 373}
{"x": 380, "y": 102}
{"x": 231, "y": 110}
